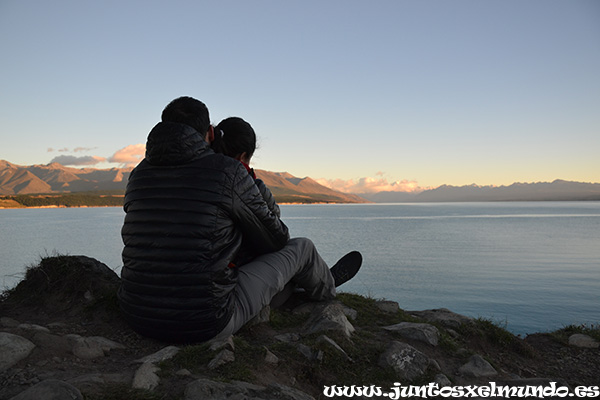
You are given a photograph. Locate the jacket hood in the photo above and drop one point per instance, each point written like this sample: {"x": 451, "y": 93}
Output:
{"x": 171, "y": 143}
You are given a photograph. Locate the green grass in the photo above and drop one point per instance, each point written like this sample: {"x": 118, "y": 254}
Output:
{"x": 196, "y": 358}
{"x": 281, "y": 320}
{"x": 193, "y": 358}
{"x": 562, "y": 335}
{"x": 369, "y": 315}
{"x": 495, "y": 335}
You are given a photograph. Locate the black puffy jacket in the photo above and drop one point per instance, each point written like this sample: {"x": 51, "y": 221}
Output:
{"x": 187, "y": 210}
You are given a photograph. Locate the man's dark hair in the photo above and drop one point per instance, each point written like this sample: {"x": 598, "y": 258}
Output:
{"x": 237, "y": 137}
{"x": 189, "y": 111}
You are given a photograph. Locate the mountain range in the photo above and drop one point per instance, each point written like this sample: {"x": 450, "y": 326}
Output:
{"x": 56, "y": 178}
{"x": 558, "y": 190}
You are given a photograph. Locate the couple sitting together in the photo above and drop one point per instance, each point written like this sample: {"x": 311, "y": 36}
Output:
{"x": 205, "y": 248}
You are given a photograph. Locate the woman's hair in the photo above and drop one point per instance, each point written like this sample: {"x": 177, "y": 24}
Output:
{"x": 234, "y": 136}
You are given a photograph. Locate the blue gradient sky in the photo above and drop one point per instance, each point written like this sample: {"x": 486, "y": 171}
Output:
{"x": 416, "y": 93}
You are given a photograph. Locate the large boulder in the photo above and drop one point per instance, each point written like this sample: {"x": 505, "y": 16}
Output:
{"x": 50, "y": 389}
{"x": 408, "y": 362}
{"x": 425, "y": 333}
{"x": 329, "y": 317}
{"x": 13, "y": 348}
{"x": 442, "y": 316}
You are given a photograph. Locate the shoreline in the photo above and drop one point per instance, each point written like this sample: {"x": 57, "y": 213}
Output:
{"x": 53, "y": 206}
{"x": 335, "y": 203}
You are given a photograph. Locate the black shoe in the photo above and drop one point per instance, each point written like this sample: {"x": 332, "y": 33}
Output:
{"x": 346, "y": 268}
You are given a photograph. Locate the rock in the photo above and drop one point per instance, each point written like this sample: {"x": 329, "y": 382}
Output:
{"x": 462, "y": 352}
{"x": 33, "y": 327}
{"x": 477, "y": 367}
{"x": 163, "y": 354}
{"x": 106, "y": 344}
{"x": 50, "y": 389}
{"x": 87, "y": 351}
{"x": 57, "y": 325}
{"x": 224, "y": 357}
{"x": 263, "y": 316}
{"x": 288, "y": 337}
{"x": 584, "y": 341}
{"x": 145, "y": 377}
{"x": 330, "y": 317}
{"x": 349, "y": 312}
{"x": 13, "y": 349}
{"x": 97, "y": 382}
{"x": 442, "y": 380}
{"x": 387, "y": 306}
{"x": 315, "y": 307}
{"x": 310, "y": 354}
{"x": 218, "y": 344}
{"x": 332, "y": 344}
{"x": 408, "y": 362}
{"x": 93, "y": 347}
{"x": 434, "y": 365}
{"x": 54, "y": 343}
{"x": 72, "y": 338}
{"x": 271, "y": 358}
{"x": 422, "y": 332}
{"x": 306, "y": 308}
{"x": 452, "y": 333}
{"x": 443, "y": 316}
{"x": 9, "y": 322}
{"x": 183, "y": 372}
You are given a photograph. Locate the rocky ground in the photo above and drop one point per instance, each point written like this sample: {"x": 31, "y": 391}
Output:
{"x": 62, "y": 337}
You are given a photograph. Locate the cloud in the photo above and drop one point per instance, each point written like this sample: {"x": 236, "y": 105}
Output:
{"x": 76, "y": 149}
{"x": 130, "y": 155}
{"x": 371, "y": 185}
{"x": 73, "y": 160}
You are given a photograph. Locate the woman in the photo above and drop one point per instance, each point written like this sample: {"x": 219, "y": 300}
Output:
{"x": 236, "y": 138}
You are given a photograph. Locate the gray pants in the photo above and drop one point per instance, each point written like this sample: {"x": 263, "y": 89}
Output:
{"x": 265, "y": 276}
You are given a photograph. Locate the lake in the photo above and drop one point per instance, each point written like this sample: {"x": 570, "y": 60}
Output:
{"x": 530, "y": 266}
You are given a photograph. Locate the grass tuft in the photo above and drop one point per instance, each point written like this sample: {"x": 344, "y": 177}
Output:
{"x": 562, "y": 335}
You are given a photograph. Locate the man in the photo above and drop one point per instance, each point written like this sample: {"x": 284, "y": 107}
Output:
{"x": 187, "y": 210}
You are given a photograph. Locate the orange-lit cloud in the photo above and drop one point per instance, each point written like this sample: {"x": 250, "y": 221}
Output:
{"x": 130, "y": 155}
{"x": 371, "y": 185}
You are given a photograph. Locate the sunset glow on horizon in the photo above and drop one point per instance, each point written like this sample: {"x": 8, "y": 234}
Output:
{"x": 384, "y": 96}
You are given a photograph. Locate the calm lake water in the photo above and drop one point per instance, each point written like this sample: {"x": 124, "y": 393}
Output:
{"x": 533, "y": 266}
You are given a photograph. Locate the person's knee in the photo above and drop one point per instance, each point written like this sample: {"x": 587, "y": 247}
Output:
{"x": 302, "y": 242}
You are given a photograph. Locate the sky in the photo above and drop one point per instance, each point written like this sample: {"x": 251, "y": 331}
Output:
{"x": 361, "y": 95}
